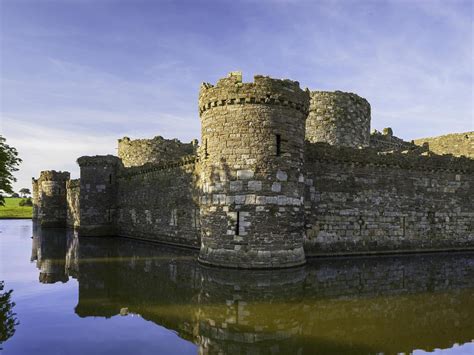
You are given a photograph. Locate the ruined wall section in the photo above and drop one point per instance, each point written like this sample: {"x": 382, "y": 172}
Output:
{"x": 160, "y": 202}
{"x": 385, "y": 141}
{"x": 51, "y": 205}
{"x": 73, "y": 188}
{"x": 457, "y": 144}
{"x": 156, "y": 150}
{"x": 358, "y": 201}
{"x": 338, "y": 118}
{"x": 252, "y": 163}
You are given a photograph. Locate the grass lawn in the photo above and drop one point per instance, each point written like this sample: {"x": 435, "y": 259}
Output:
{"x": 13, "y": 210}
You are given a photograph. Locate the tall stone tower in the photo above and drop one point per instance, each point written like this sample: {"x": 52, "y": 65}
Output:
{"x": 49, "y": 198}
{"x": 252, "y": 172}
{"x": 98, "y": 194}
{"x": 338, "y": 118}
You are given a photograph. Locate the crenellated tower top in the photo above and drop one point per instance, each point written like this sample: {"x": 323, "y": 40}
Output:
{"x": 263, "y": 90}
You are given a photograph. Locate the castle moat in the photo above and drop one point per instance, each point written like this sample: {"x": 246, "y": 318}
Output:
{"x": 101, "y": 295}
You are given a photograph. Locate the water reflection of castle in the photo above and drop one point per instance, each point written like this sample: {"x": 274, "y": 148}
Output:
{"x": 353, "y": 305}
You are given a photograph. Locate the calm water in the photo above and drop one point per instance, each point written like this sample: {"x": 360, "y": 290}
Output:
{"x": 118, "y": 296}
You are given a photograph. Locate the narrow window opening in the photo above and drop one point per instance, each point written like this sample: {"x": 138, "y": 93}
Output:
{"x": 205, "y": 148}
{"x": 237, "y": 223}
{"x": 278, "y": 144}
{"x": 110, "y": 178}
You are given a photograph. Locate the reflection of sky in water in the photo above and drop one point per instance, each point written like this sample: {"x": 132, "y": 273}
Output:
{"x": 60, "y": 318}
{"x": 464, "y": 349}
{"x": 48, "y": 324}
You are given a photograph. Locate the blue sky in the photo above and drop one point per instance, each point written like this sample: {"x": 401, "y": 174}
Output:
{"x": 78, "y": 74}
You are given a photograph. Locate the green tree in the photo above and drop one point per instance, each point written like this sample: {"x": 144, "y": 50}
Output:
{"x": 8, "y": 321}
{"x": 9, "y": 162}
{"x": 24, "y": 191}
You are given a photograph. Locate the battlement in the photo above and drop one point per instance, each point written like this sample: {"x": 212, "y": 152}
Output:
{"x": 263, "y": 90}
{"x": 53, "y": 175}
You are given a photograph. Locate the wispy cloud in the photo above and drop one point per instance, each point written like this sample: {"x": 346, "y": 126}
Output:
{"x": 78, "y": 75}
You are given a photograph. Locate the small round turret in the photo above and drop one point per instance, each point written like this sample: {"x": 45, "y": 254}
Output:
{"x": 252, "y": 164}
{"x": 338, "y": 118}
{"x": 51, "y": 198}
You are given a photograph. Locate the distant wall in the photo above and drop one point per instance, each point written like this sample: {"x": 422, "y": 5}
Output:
{"x": 160, "y": 203}
{"x": 456, "y": 144}
{"x": 359, "y": 202}
{"x": 156, "y": 150}
{"x": 386, "y": 141}
{"x": 73, "y": 208}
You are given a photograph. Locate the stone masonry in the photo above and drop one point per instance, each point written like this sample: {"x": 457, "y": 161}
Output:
{"x": 281, "y": 174}
{"x": 458, "y": 144}
{"x": 141, "y": 151}
{"x": 338, "y": 118}
{"x": 252, "y": 172}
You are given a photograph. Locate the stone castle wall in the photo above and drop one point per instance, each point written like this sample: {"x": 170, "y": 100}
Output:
{"x": 73, "y": 188}
{"x": 252, "y": 163}
{"x": 263, "y": 191}
{"x": 156, "y": 150}
{"x": 457, "y": 144}
{"x": 160, "y": 203}
{"x": 338, "y": 118}
{"x": 364, "y": 202}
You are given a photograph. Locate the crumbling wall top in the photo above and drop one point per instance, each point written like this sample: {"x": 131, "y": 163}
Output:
{"x": 98, "y": 160}
{"x": 53, "y": 175}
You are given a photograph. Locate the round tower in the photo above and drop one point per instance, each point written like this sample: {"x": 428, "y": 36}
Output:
{"x": 51, "y": 206}
{"x": 252, "y": 163}
{"x": 338, "y": 118}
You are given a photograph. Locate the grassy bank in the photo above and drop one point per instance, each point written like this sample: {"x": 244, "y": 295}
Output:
{"x": 12, "y": 209}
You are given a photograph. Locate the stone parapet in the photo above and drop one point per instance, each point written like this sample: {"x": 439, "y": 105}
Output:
{"x": 264, "y": 90}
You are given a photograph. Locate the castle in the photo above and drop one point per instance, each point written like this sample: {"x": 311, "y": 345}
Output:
{"x": 281, "y": 174}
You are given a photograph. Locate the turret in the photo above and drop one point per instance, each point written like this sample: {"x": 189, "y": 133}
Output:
{"x": 49, "y": 198}
{"x": 252, "y": 172}
{"x": 338, "y": 118}
{"x": 97, "y": 199}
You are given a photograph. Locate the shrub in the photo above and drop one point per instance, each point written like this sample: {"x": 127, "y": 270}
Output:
{"x": 26, "y": 202}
